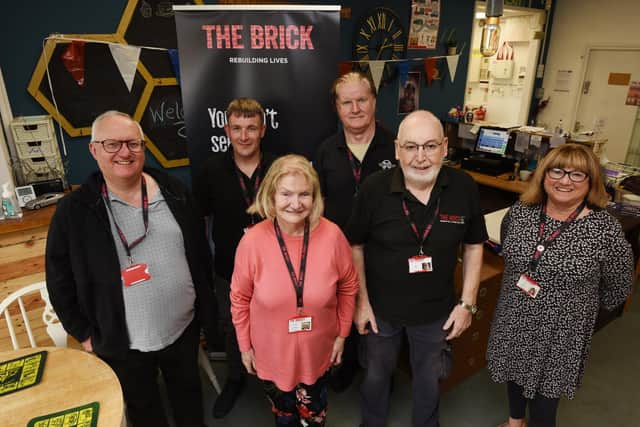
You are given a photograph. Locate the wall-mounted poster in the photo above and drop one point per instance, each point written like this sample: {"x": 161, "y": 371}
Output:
{"x": 633, "y": 96}
{"x": 409, "y": 94}
{"x": 425, "y": 20}
{"x": 283, "y": 56}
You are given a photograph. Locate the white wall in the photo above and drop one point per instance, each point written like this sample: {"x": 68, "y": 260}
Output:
{"x": 506, "y": 100}
{"x": 5, "y": 160}
{"x": 578, "y": 24}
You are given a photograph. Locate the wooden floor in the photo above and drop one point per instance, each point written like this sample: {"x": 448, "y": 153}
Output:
{"x": 22, "y": 247}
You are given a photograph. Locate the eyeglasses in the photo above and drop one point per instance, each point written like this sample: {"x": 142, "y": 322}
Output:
{"x": 429, "y": 148}
{"x": 113, "y": 145}
{"x": 575, "y": 176}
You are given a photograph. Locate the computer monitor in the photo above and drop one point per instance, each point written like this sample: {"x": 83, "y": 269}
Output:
{"x": 492, "y": 141}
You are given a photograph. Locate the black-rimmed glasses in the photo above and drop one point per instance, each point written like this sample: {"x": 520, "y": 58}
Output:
{"x": 558, "y": 174}
{"x": 429, "y": 147}
{"x": 114, "y": 145}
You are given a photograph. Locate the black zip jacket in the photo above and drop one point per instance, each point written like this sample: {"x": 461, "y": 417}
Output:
{"x": 83, "y": 272}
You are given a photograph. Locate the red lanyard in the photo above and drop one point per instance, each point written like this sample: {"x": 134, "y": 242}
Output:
{"x": 249, "y": 199}
{"x": 298, "y": 282}
{"x": 145, "y": 218}
{"x": 544, "y": 244}
{"x": 414, "y": 227}
{"x": 356, "y": 168}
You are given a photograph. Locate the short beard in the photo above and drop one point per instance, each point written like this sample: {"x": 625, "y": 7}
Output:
{"x": 421, "y": 180}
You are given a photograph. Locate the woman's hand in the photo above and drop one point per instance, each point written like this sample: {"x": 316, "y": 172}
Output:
{"x": 249, "y": 362}
{"x": 336, "y": 352}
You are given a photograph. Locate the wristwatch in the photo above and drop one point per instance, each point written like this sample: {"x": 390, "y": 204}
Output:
{"x": 471, "y": 308}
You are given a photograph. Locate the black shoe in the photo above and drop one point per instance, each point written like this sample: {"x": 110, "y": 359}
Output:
{"x": 342, "y": 378}
{"x": 228, "y": 396}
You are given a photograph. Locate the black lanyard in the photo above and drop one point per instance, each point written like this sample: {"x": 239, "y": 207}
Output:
{"x": 249, "y": 199}
{"x": 414, "y": 227}
{"x": 544, "y": 244}
{"x": 356, "y": 168}
{"x": 298, "y": 282}
{"x": 145, "y": 218}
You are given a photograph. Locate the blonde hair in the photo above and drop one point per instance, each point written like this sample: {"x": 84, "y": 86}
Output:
{"x": 112, "y": 113}
{"x": 245, "y": 107}
{"x": 349, "y": 77}
{"x": 568, "y": 156}
{"x": 291, "y": 164}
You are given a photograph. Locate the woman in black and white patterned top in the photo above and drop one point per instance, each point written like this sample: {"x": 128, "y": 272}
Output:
{"x": 564, "y": 257}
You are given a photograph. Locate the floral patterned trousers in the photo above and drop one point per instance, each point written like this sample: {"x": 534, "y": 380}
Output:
{"x": 305, "y": 405}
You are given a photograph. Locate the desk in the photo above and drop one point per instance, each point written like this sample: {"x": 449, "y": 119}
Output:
{"x": 501, "y": 182}
{"x": 71, "y": 378}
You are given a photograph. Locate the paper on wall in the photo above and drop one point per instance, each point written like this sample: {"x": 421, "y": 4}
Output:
{"x": 522, "y": 142}
{"x": 536, "y": 140}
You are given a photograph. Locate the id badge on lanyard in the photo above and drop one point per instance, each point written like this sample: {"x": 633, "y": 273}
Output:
{"x": 300, "y": 323}
{"x": 525, "y": 282}
{"x": 134, "y": 274}
{"x": 420, "y": 264}
{"x": 528, "y": 285}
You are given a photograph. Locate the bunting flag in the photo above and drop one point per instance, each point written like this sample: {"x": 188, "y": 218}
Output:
{"x": 431, "y": 70}
{"x": 403, "y": 66}
{"x": 126, "y": 58}
{"x": 73, "y": 60}
{"x": 452, "y": 63}
{"x": 376, "y": 68}
{"x": 175, "y": 63}
{"x": 345, "y": 67}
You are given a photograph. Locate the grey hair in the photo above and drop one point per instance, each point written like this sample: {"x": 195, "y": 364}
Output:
{"x": 113, "y": 113}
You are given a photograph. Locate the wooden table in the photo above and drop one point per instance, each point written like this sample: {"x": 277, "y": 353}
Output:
{"x": 71, "y": 378}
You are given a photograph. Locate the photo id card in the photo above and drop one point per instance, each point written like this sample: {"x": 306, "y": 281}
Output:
{"x": 134, "y": 274}
{"x": 300, "y": 324}
{"x": 420, "y": 264}
{"x": 528, "y": 285}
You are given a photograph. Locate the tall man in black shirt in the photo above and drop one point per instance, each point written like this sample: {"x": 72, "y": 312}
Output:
{"x": 225, "y": 188}
{"x": 407, "y": 226}
{"x": 343, "y": 161}
{"x": 359, "y": 149}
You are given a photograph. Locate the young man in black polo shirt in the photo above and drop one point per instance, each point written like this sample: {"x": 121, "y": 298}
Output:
{"x": 343, "y": 161}
{"x": 225, "y": 188}
{"x": 406, "y": 228}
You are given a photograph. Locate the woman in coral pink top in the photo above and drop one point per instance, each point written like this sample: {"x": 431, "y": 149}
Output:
{"x": 293, "y": 293}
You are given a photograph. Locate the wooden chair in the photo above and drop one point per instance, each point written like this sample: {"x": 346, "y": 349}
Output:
{"x": 53, "y": 326}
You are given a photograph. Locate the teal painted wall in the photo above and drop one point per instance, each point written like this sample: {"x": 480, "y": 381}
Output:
{"x": 28, "y": 23}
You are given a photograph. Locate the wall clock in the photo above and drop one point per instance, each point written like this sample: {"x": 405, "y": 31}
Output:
{"x": 380, "y": 36}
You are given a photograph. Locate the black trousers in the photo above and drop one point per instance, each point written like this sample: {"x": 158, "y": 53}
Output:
{"x": 178, "y": 363}
{"x": 542, "y": 410}
{"x": 236, "y": 369}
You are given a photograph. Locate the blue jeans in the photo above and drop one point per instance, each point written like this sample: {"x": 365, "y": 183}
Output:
{"x": 430, "y": 361}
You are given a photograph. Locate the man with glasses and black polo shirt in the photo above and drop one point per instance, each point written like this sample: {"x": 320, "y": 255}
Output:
{"x": 407, "y": 226}
{"x": 225, "y": 187}
{"x": 129, "y": 274}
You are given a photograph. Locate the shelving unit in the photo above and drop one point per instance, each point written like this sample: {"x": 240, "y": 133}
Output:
{"x": 38, "y": 155}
